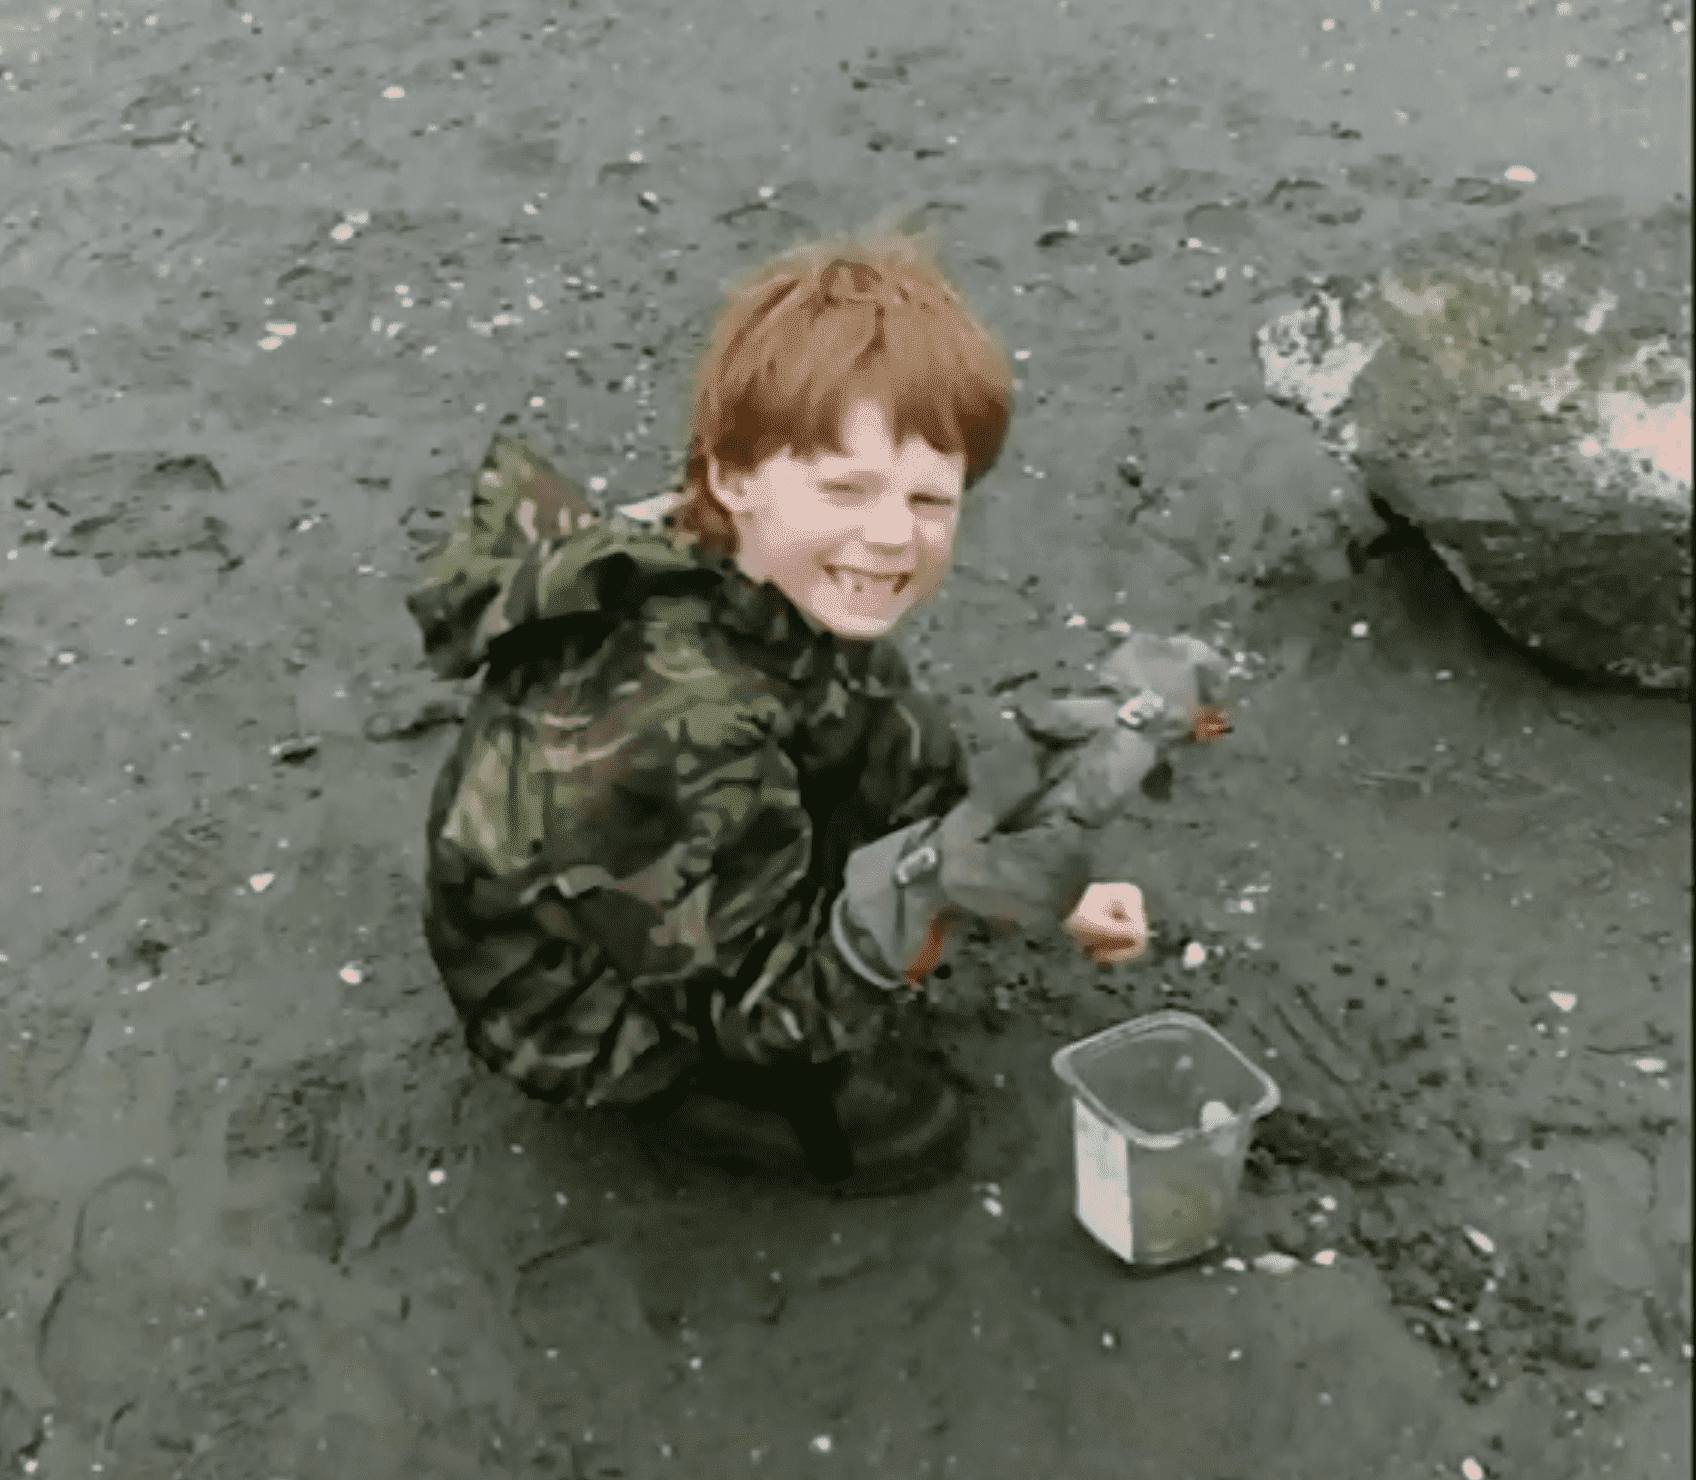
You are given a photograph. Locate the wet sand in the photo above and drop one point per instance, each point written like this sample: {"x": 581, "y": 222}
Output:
{"x": 260, "y": 1216}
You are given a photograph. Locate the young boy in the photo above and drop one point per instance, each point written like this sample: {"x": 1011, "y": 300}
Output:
{"x": 686, "y": 735}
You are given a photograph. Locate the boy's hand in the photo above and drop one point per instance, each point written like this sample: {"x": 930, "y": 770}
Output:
{"x": 1109, "y": 925}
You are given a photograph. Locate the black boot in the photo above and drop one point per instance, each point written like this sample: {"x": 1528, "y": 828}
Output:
{"x": 888, "y": 1125}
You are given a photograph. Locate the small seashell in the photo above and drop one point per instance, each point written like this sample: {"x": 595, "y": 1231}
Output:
{"x": 1563, "y": 1000}
{"x": 1480, "y": 1241}
{"x": 1214, "y": 1114}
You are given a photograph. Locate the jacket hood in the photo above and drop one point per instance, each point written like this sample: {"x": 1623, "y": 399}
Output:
{"x": 532, "y": 547}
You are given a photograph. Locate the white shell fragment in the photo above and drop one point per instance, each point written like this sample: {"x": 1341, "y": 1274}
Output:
{"x": 259, "y": 883}
{"x": 1650, "y": 1066}
{"x": 992, "y": 1207}
{"x": 1563, "y": 1000}
{"x": 1278, "y": 1264}
{"x": 821, "y": 1445}
{"x": 1325, "y": 1258}
{"x": 1470, "y": 1468}
{"x": 1480, "y": 1241}
{"x": 1214, "y": 1114}
{"x": 1194, "y": 954}
{"x": 1520, "y": 175}
{"x": 437, "y": 1176}
{"x": 1236, "y": 1266}
{"x": 351, "y": 974}
{"x": 1360, "y": 629}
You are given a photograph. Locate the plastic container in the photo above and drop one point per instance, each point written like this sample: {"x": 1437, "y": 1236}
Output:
{"x": 1154, "y": 1185}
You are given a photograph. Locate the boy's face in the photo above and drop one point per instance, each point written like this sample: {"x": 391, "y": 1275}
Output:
{"x": 854, "y": 541}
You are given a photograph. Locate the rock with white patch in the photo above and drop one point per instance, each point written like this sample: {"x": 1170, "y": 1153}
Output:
{"x": 1524, "y": 398}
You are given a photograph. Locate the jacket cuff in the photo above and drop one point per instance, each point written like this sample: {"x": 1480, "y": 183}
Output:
{"x": 854, "y": 953}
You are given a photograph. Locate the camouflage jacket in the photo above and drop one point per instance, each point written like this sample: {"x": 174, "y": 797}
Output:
{"x": 634, "y": 846}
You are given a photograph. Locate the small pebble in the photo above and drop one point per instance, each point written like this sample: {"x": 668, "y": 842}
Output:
{"x": 1277, "y": 1264}
{"x": 351, "y": 974}
{"x": 821, "y": 1445}
{"x": 259, "y": 883}
{"x": 1236, "y": 1266}
{"x": 992, "y": 1207}
{"x": 1360, "y": 629}
{"x": 437, "y": 1176}
{"x": 1194, "y": 954}
{"x": 1470, "y": 1468}
{"x": 1651, "y": 1066}
{"x": 1563, "y": 1000}
{"x": 1480, "y": 1241}
{"x": 1325, "y": 1258}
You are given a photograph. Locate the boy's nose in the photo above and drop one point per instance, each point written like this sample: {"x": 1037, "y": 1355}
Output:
{"x": 890, "y": 525}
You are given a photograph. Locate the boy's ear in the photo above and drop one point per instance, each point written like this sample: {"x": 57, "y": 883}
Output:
{"x": 729, "y": 488}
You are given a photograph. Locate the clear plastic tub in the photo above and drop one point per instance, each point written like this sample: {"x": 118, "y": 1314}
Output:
{"x": 1163, "y": 1110}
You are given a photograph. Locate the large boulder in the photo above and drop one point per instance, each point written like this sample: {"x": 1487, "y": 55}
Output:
{"x": 1525, "y": 400}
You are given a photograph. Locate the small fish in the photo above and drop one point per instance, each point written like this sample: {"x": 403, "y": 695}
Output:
{"x": 1208, "y": 722}
{"x": 943, "y": 924}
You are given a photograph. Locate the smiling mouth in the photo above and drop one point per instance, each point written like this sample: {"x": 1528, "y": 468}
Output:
{"x": 859, "y": 583}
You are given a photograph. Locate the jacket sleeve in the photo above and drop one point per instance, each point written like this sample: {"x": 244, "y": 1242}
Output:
{"x": 729, "y": 906}
{"x": 667, "y": 859}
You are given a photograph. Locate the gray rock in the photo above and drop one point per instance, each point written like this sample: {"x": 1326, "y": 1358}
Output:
{"x": 1524, "y": 398}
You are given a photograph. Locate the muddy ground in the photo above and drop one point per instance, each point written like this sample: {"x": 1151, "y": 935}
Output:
{"x": 222, "y": 1249}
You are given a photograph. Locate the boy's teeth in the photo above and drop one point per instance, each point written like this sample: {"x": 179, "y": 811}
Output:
{"x": 856, "y": 581}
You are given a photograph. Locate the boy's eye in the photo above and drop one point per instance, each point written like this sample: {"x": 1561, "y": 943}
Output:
{"x": 939, "y": 500}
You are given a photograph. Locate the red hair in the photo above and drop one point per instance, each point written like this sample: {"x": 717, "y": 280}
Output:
{"x": 827, "y": 324}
